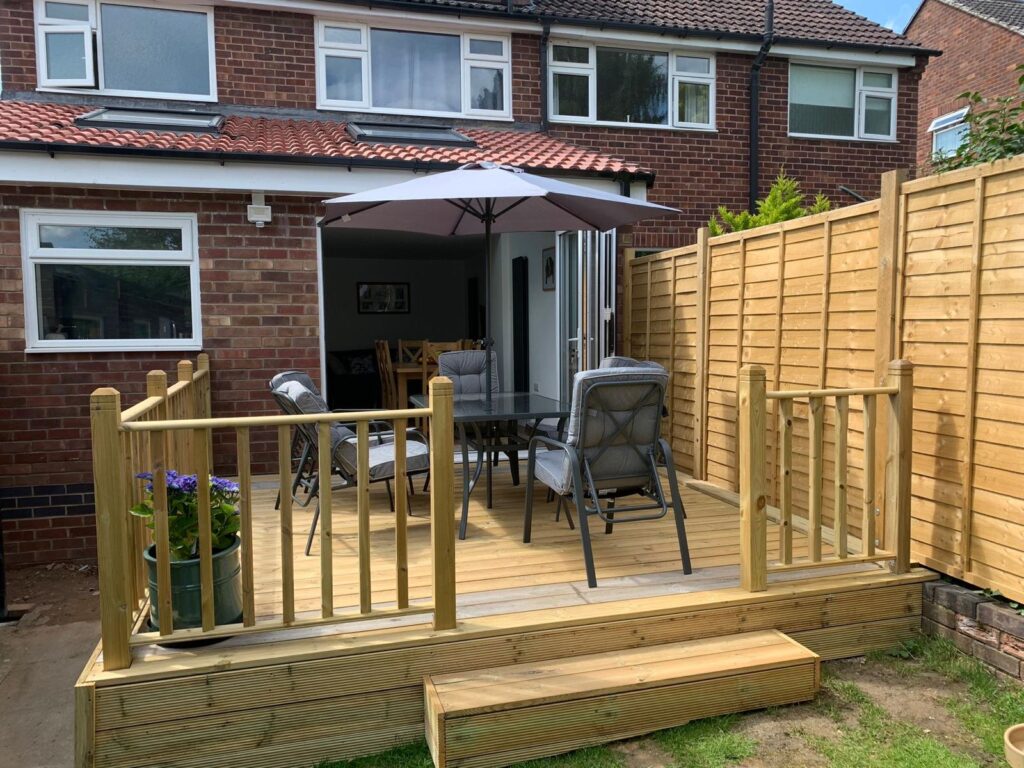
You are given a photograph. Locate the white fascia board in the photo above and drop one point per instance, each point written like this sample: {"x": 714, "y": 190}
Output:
{"x": 370, "y": 15}
{"x": 669, "y": 40}
{"x": 20, "y": 167}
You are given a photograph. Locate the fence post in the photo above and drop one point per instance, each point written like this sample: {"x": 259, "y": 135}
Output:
{"x": 183, "y": 437}
{"x": 442, "y": 501}
{"x": 700, "y": 380}
{"x": 112, "y": 541}
{"x": 753, "y": 502}
{"x": 898, "y": 464}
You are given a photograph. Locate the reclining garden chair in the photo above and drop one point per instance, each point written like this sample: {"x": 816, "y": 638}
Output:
{"x": 344, "y": 450}
{"x": 300, "y": 446}
{"x": 613, "y": 449}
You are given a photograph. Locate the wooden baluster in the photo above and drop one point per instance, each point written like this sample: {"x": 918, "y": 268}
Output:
{"x": 186, "y": 455}
{"x": 816, "y": 422}
{"x": 841, "y": 526}
{"x": 111, "y": 529}
{"x": 200, "y": 455}
{"x": 898, "y": 464}
{"x": 284, "y": 461}
{"x": 363, "y": 511}
{"x": 442, "y": 501}
{"x": 161, "y": 534}
{"x": 203, "y": 407}
{"x": 867, "y": 523}
{"x": 245, "y": 525}
{"x": 401, "y": 510}
{"x": 326, "y": 522}
{"x": 753, "y": 500}
{"x": 785, "y": 480}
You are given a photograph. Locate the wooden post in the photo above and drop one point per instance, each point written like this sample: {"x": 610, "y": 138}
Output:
{"x": 203, "y": 403}
{"x": 183, "y": 437}
{"x": 111, "y": 528}
{"x": 442, "y": 501}
{"x": 245, "y": 525}
{"x": 753, "y": 503}
{"x": 890, "y": 235}
{"x": 284, "y": 467}
{"x": 700, "y": 406}
{"x": 816, "y": 438}
{"x": 840, "y": 526}
{"x": 867, "y": 525}
{"x": 785, "y": 480}
{"x": 401, "y": 510}
{"x": 323, "y": 439}
{"x": 156, "y": 386}
{"x": 898, "y": 464}
{"x": 363, "y": 510}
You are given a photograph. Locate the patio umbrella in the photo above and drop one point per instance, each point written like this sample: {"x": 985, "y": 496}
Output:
{"x": 483, "y": 199}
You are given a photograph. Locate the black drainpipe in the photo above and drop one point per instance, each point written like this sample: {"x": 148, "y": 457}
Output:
{"x": 545, "y": 33}
{"x": 754, "y": 174}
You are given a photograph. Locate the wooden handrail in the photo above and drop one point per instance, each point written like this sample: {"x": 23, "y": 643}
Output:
{"x": 275, "y": 421}
{"x": 752, "y": 398}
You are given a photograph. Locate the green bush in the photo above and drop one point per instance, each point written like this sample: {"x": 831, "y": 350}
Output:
{"x": 783, "y": 202}
{"x": 995, "y": 130}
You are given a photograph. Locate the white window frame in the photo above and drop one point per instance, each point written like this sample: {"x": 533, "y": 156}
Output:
{"x": 861, "y": 92}
{"x": 95, "y": 49}
{"x": 950, "y": 121}
{"x": 325, "y": 49}
{"x": 85, "y": 32}
{"x": 33, "y": 255}
{"x": 589, "y": 69}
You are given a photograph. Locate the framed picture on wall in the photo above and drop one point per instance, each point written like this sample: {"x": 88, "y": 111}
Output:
{"x": 547, "y": 269}
{"x": 382, "y": 298}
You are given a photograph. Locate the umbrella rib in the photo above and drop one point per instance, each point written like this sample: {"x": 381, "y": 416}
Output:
{"x": 508, "y": 208}
{"x": 573, "y": 214}
{"x": 350, "y": 214}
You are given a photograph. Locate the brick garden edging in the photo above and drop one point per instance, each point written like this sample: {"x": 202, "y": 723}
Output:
{"x": 980, "y": 626}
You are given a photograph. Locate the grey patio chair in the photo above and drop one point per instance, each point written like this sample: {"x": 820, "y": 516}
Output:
{"x": 300, "y": 446}
{"x": 613, "y": 448}
{"x": 467, "y": 370}
{"x": 344, "y": 449}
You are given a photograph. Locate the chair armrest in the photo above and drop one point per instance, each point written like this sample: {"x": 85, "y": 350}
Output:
{"x": 550, "y": 442}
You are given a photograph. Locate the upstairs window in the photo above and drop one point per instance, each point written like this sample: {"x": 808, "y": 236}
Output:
{"x": 948, "y": 132}
{"x": 412, "y": 72}
{"x": 838, "y": 102}
{"x": 624, "y": 86}
{"x": 126, "y": 49}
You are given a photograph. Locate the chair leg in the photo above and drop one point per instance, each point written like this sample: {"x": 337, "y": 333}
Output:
{"x": 412, "y": 488}
{"x": 426, "y": 483}
{"x": 551, "y": 497}
{"x": 391, "y": 496}
{"x": 528, "y": 511}
{"x": 588, "y": 552}
{"x": 513, "y": 465}
{"x": 611, "y": 516}
{"x": 568, "y": 515}
{"x": 312, "y": 527}
{"x": 678, "y": 511}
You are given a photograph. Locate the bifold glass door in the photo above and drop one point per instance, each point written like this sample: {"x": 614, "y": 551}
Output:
{"x": 586, "y": 301}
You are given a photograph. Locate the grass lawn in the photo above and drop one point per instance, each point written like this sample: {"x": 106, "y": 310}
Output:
{"x": 923, "y": 705}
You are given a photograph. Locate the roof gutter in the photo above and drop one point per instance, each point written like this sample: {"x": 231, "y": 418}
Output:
{"x": 754, "y": 158}
{"x": 348, "y": 163}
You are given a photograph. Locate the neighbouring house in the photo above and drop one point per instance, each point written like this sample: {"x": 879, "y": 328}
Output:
{"x": 162, "y": 168}
{"x": 982, "y": 43}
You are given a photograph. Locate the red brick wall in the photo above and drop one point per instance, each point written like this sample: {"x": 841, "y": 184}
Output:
{"x": 977, "y": 56}
{"x": 259, "y": 314}
{"x": 17, "y": 46}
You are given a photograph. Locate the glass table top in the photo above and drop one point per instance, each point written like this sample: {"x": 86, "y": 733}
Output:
{"x": 504, "y": 406}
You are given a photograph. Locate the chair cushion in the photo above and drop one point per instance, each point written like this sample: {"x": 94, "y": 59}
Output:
{"x": 382, "y": 456}
{"x": 554, "y": 470}
{"x": 468, "y": 370}
{"x": 300, "y": 376}
{"x": 620, "y": 361}
{"x": 305, "y": 399}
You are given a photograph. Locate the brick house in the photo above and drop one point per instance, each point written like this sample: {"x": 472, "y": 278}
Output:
{"x": 982, "y": 43}
{"x": 134, "y": 138}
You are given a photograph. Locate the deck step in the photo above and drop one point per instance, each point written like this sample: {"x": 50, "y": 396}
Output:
{"x": 495, "y": 717}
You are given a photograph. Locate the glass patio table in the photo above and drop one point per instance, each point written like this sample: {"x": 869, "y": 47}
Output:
{"x": 484, "y": 418}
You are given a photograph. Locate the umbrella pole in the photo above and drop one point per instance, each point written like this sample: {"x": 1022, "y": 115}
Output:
{"x": 488, "y": 339}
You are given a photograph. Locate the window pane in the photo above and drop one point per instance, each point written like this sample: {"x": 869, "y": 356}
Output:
{"x": 487, "y": 47}
{"x": 110, "y": 238}
{"x": 69, "y": 11}
{"x": 694, "y": 103}
{"x": 65, "y": 56}
{"x": 571, "y": 54}
{"x": 632, "y": 86}
{"x": 572, "y": 95}
{"x": 486, "y": 88}
{"x": 877, "y": 116}
{"x": 416, "y": 70}
{"x": 695, "y": 64}
{"x": 343, "y": 35}
{"x": 948, "y": 141}
{"x": 821, "y": 100}
{"x": 86, "y": 301}
{"x": 344, "y": 78}
{"x": 877, "y": 80}
{"x": 155, "y": 50}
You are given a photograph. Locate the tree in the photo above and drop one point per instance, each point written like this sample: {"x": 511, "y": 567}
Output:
{"x": 995, "y": 129}
{"x": 783, "y": 202}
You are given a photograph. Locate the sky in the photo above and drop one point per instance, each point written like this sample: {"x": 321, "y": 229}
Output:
{"x": 890, "y": 13}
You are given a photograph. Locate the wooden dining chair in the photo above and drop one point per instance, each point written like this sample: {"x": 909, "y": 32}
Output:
{"x": 411, "y": 350}
{"x": 388, "y": 385}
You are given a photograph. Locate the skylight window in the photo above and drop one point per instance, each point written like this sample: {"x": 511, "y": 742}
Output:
{"x": 184, "y": 122}
{"x": 384, "y": 133}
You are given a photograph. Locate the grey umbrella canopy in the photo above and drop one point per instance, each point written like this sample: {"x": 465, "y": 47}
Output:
{"x": 484, "y": 199}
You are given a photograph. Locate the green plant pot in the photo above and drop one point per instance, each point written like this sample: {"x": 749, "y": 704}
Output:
{"x": 186, "y": 595}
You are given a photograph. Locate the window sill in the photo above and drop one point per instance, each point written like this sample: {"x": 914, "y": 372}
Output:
{"x": 634, "y": 126}
{"x": 184, "y": 346}
{"x": 129, "y": 94}
{"x": 816, "y": 137}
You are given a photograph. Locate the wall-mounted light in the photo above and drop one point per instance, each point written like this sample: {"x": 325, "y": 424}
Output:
{"x": 259, "y": 213}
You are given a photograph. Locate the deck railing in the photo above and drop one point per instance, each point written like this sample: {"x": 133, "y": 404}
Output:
{"x": 894, "y": 545}
{"x": 172, "y": 429}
